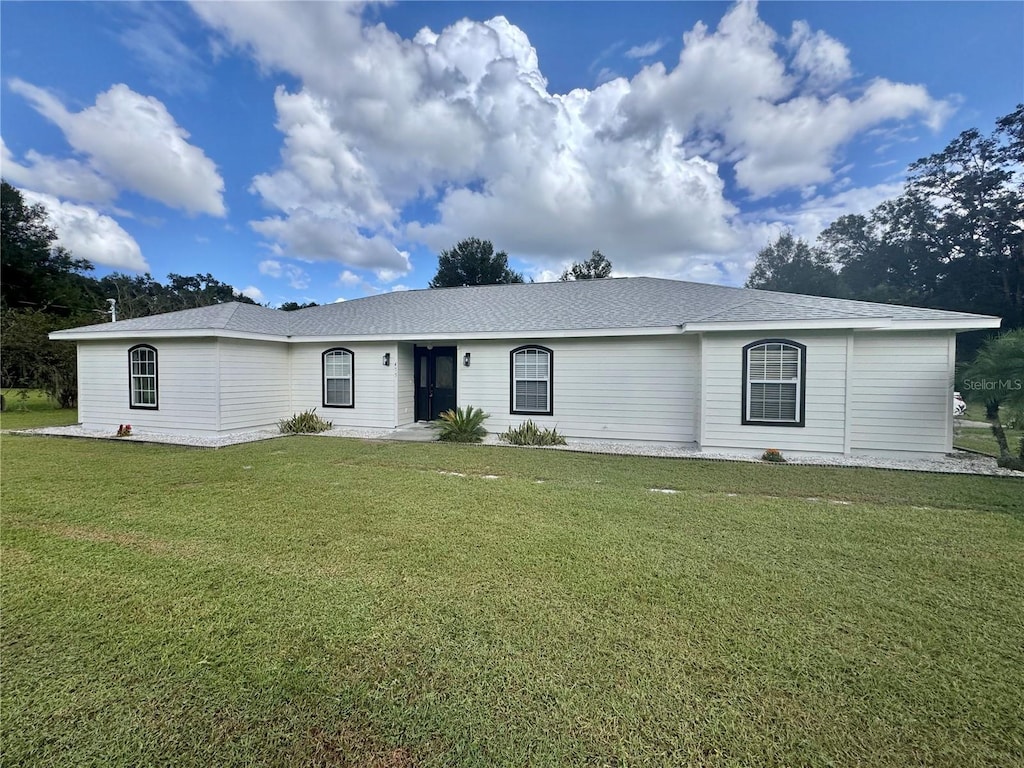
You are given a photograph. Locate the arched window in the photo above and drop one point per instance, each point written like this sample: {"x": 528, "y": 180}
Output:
{"x": 339, "y": 378}
{"x": 532, "y": 370}
{"x": 142, "y": 380}
{"x": 773, "y": 382}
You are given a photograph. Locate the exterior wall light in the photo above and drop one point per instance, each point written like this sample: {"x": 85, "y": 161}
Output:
{"x": 465, "y": 360}
{"x": 387, "y": 359}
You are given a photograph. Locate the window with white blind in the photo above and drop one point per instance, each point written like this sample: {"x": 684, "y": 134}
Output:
{"x": 339, "y": 379}
{"x": 773, "y": 382}
{"x": 142, "y": 384}
{"x": 532, "y": 369}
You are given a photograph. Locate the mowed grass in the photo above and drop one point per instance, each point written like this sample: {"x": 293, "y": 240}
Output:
{"x": 982, "y": 440}
{"x": 30, "y": 408}
{"x": 314, "y": 601}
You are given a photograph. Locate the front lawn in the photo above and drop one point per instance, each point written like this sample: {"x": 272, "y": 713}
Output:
{"x": 982, "y": 440}
{"x": 320, "y": 601}
{"x": 30, "y": 408}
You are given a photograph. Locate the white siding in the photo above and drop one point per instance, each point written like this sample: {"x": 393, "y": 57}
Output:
{"x": 254, "y": 384}
{"x": 901, "y": 392}
{"x": 374, "y": 383}
{"x": 825, "y": 396}
{"x": 635, "y": 388}
{"x": 405, "y": 378}
{"x": 187, "y": 385}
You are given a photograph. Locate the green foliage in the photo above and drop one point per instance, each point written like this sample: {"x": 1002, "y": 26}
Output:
{"x": 594, "y": 268}
{"x": 291, "y": 306}
{"x": 31, "y": 360}
{"x": 35, "y": 272}
{"x": 528, "y": 433}
{"x": 473, "y": 262}
{"x": 996, "y": 376}
{"x": 951, "y": 240}
{"x": 142, "y": 295}
{"x": 461, "y": 425}
{"x": 1011, "y": 462}
{"x": 305, "y": 423}
{"x": 790, "y": 264}
{"x": 774, "y": 456}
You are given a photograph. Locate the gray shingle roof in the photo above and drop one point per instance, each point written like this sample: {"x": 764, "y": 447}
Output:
{"x": 618, "y": 303}
{"x": 232, "y": 316}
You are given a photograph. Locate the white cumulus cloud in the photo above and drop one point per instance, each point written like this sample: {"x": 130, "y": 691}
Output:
{"x": 68, "y": 179}
{"x": 89, "y": 234}
{"x": 253, "y": 293}
{"x": 460, "y": 123}
{"x": 133, "y": 141}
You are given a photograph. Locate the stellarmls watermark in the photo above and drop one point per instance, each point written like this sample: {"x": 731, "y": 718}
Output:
{"x": 994, "y": 386}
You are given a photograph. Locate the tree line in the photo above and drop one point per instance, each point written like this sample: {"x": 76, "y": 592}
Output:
{"x": 953, "y": 239}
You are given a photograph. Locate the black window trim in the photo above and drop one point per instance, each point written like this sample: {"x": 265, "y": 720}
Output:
{"x": 323, "y": 377}
{"x": 156, "y": 379}
{"x": 802, "y": 386}
{"x": 512, "y": 381}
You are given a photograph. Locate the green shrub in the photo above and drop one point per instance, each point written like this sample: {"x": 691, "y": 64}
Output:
{"x": 304, "y": 423}
{"x": 774, "y": 455}
{"x": 529, "y": 433}
{"x": 1011, "y": 462}
{"x": 461, "y": 425}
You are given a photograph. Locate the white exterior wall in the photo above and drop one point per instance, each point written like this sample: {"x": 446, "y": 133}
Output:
{"x": 824, "y": 429}
{"x": 405, "y": 385}
{"x": 255, "y": 386}
{"x": 630, "y": 388}
{"x": 902, "y": 392}
{"x": 187, "y": 387}
{"x": 374, "y": 386}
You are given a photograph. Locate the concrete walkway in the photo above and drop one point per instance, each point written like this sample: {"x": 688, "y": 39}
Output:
{"x": 420, "y": 432}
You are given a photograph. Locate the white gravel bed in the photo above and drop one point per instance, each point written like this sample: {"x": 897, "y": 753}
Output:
{"x": 139, "y": 436}
{"x": 958, "y": 462}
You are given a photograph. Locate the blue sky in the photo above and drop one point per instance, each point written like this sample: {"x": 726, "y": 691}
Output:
{"x": 320, "y": 151}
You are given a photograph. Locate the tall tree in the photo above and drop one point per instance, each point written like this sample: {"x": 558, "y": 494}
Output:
{"x": 791, "y": 265}
{"x": 596, "y": 267}
{"x": 978, "y": 219}
{"x": 473, "y": 262}
{"x": 34, "y": 271}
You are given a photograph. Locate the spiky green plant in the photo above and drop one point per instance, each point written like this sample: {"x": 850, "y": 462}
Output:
{"x": 528, "y": 433}
{"x": 304, "y": 423}
{"x": 461, "y": 425}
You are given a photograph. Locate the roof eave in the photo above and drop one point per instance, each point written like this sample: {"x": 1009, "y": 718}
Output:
{"x": 962, "y": 323}
{"x": 705, "y": 326}
{"x": 190, "y": 333}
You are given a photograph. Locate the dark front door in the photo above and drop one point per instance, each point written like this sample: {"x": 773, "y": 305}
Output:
{"x": 435, "y": 381}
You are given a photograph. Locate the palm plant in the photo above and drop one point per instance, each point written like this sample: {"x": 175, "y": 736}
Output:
{"x": 461, "y": 425}
{"x": 998, "y": 372}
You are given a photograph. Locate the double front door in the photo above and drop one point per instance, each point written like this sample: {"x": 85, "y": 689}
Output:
{"x": 435, "y": 381}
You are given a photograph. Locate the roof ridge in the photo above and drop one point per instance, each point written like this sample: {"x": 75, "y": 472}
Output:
{"x": 231, "y": 312}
